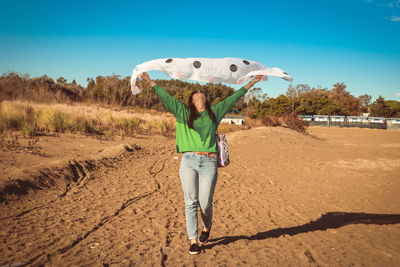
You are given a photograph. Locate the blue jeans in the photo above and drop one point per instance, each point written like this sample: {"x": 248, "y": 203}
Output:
{"x": 198, "y": 175}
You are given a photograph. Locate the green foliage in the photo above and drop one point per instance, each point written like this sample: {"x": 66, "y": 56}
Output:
{"x": 278, "y": 106}
{"x": 114, "y": 90}
{"x": 365, "y": 100}
{"x": 81, "y": 124}
{"x": 394, "y": 107}
{"x": 30, "y": 129}
{"x": 58, "y": 121}
{"x": 321, "y": 105}
{"x": 385, "y": 108}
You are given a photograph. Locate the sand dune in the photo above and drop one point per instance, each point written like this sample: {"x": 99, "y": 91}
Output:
{"x": 287, "y": 199}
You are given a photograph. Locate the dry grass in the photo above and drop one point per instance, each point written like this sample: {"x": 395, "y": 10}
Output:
{"x": 226, "y": 128}
{"x": 42, "y": 119}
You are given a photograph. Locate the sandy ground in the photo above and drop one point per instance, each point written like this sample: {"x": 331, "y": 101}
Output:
{"x": 327, "y": 199}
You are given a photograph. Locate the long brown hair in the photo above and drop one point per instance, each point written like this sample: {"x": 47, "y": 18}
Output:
{"x": 193, "y": 112}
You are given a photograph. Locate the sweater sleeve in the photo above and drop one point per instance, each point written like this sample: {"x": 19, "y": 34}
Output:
{"x": 223, "y": 107}
{"x": 171, "y": 103}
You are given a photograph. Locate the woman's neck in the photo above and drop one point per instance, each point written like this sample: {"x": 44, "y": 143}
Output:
{"x": 200, "y": 109}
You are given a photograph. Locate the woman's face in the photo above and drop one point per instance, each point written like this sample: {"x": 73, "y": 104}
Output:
{"x": 199, "y": 100}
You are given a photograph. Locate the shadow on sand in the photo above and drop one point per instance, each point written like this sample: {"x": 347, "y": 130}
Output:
{"x": 330, "y": 220}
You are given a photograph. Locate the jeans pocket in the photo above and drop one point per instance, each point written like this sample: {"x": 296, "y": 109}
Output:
{"x": 213, "y": 158}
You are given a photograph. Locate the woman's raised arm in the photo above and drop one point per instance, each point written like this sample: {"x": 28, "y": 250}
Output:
{"x": 171, "y": 103}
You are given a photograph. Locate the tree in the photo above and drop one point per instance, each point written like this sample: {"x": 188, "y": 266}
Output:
{"x": 256, "y": 92}
{"x": 365, "y": 100}
{"x": 394, "y": 107}
{"x": 379, "y": 108}
{"x": 61, "y": 80}
{"x": 345, "y": 99}
{"x": 319, "y": 104}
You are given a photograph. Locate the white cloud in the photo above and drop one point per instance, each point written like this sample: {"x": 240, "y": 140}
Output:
{"x": 398, "y": 94}
{"x": 394, "y": 18}
{"x": 392, "y": 4}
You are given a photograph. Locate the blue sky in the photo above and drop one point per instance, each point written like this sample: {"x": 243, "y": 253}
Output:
{"x": 318, "y": 42}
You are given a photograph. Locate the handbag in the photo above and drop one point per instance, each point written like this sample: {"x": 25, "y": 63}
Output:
{"x": 222, "y": 150}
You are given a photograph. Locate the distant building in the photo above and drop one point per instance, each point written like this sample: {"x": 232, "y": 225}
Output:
{"x": 306, "y": 117}
{"x": 393, "y": 121}
{"x": 376, "y": 119}
{"x": 352, "y": 121}
{"x": 234, "y": 117}
{"x": 337, "y": 118}
{"x": 321, "y": 118}
{"x": 360, "y": 119}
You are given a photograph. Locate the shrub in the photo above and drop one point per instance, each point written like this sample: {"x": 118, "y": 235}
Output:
{"x": 293, "y": 122}
{"x": 81, "y": 124}
{"x": 164, "y": 127}
{"x": 289, "y": 120}
{"x": 30, "y": 129}
{"x": 58, "y": 121}
{"x": 270, "y": 121}
{"x": 3, "y": 122}
{"x": 130, "y": 126}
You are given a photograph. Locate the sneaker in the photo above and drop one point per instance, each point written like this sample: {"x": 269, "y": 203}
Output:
{"x": 204, "y": 237}
{"x": 194, "y": 249}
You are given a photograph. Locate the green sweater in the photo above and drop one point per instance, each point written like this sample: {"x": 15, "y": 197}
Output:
{"x": 202, "y": 136}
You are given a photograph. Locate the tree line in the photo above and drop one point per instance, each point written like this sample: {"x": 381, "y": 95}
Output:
{"x": 114, "y": 90}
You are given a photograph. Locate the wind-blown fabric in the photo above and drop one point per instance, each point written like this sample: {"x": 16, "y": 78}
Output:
{"x": 210, "y": 70}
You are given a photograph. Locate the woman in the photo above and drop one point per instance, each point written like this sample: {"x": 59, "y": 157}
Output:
{"x": 196, "y": 125}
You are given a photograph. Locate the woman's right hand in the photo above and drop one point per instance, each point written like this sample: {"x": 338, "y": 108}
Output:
{"x": 147, "y": 79}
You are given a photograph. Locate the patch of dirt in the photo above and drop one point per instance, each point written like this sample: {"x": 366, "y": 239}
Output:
{"x": 286, "y": 199}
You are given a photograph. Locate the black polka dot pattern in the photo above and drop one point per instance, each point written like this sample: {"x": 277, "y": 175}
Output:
{"x": 197, "y": 64}
{"x": 233, "y": 68}
{"x": 168, "y": 60}
{"x": 246, "y": 62}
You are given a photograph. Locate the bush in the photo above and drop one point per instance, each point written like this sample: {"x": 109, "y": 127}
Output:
{"x": 164, "y": 127}
{"x": 289, "y": 120}
{"x": 58, "y": 121}
{"x": 293, "y": 122}
{"x": 270, "y": 121}
{"x": 30, "y": 129}
{"x": 130, "y": 126}
{"x": 3, "y": 122}
{"x": 81, "y": 124}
